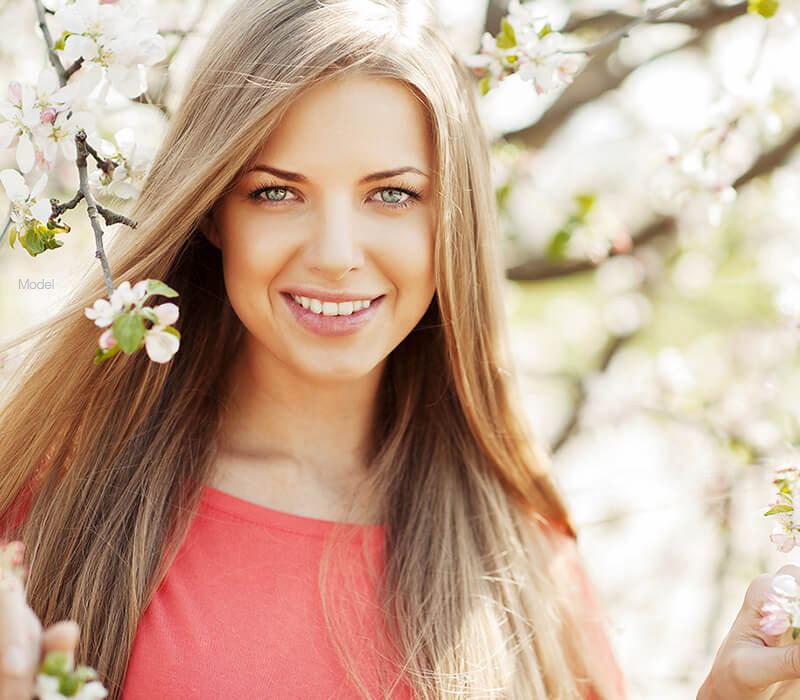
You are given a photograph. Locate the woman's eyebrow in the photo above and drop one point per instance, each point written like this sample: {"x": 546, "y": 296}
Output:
{"x": 297, "y": 177}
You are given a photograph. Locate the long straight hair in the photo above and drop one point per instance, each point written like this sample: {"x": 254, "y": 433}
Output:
{"x": 112, "y": 457}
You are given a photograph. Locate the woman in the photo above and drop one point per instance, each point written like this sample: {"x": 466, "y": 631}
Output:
{"x": 181, "y": 510}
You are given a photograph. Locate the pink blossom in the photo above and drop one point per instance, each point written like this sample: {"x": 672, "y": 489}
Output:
{"x": 775, "y": 620}
{"x": 48, "y": 115}
{"x": 784, "y": 542}
{"x": 167, "y": 313}
{"x": 15, "y": 90}
{"x": 107, "y": 340}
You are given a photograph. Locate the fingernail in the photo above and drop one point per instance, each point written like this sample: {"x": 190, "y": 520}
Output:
{"x": 14, "y": 660}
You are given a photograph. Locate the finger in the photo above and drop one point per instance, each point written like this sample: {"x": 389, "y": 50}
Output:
{"x": 760, "y": 667}
{"x": 748, "y": 622}
{"x": 787, "y": 691}
{"x": 61, "y": 636}
{"x": 18, "y": 655}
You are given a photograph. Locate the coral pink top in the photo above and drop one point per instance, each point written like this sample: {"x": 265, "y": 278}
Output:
{"x": 239, "y": 613}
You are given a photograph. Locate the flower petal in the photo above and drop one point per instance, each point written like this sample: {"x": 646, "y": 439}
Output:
{"x": 14, "y": 185}
{"x": 38, "y": 188}
{"x": 167, "y": 313}
{"x": 786, "y": 585}
{"x": 26, "y": 156}
{"x": 41, "y": 210}
{"x": 7, "y": 133}
{"x": 107, "y": 339}
{"x": 160, "y": 346}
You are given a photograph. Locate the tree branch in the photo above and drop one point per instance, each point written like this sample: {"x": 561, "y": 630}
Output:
{"x": 112, "y": 217}
{"x": 572, "y": 424}
{"x": 91, "y": 208}
{"x": 623, "y": 31}
{"x": 596, "y": 79}
{"x": 6, "y": 226}
{"x": 59, "y": 209}
{"x": 539, "y": 268}
{"x": 55, "y": 61}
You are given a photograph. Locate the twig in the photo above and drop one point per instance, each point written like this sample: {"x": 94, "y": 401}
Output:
{"x": 112, "y": 217}
{"x": 538, "y": 269}
{"x": 7, "y": 226}
{"x": 572, "y": 424}
{"x": 105, "y": 164}
{"x": 55, "y": 61}
{"x": 59, "y": 209}
{"x": 91, "y": 208}
{"x": 648, "y": 16}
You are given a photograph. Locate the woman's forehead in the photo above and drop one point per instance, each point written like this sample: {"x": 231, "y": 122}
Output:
{"x": 356, "y": 122}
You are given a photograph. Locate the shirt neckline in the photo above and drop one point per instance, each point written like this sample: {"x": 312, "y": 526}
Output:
{"x": 277, "y": 518}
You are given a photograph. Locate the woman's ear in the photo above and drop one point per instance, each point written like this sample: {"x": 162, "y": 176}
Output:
{"x": 209, "y": 229}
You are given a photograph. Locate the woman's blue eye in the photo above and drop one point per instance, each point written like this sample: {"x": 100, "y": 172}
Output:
{"x": 391, "y": 197}
{"x": 278, "y": 192}
{"x": 395, "y": 197}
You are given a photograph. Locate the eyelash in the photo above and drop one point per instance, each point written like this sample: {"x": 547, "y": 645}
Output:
{"x": 413, "y": 193}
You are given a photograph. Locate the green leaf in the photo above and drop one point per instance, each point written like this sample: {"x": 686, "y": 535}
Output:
{"x": 100, "y": 354}
{"x": 12, "y": 236}
{"x": 765, "y": 8}
{"x": 158, "y": 287}
{"x": 506, "y": 39}
{"x": 54, "y": 664}
{"x": 780, "y": 508}
{"x": 796, "y": 633}
{"x": 68, "y": 685}
{"x": 62, "y": 40}
{"x": 172, "y": 331}
{"x": 484, "y": 85}
{"x": 32, "y": 242}
{"x": 547, "y": 29}
{"x": 558, "y": 245}
{"x": 129, "y": 331}
{"x": 585, "y": 202}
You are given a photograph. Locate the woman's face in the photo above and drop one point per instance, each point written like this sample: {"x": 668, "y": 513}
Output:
{"x": 337, "y": 211}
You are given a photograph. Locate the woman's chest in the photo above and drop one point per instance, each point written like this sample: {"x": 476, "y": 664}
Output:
{"x": 239, "y": 615}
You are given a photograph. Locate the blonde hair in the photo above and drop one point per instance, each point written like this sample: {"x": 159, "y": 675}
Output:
{"x": 471, "y": 604}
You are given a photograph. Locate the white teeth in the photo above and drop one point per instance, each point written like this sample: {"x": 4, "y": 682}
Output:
{"x": 331, "y": 308}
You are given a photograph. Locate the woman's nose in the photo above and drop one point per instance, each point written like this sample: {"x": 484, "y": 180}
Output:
{"x": 334, "y": 247}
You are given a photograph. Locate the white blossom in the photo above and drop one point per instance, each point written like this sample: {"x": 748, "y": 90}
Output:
{"x": 26, "y": 209}
{"x": 132, "y": 165}
{"x": 39, "y": 121}
{"x": 114, "y": 42}
{"x": 46, "y": 688}
{"x": 160, "y": 344}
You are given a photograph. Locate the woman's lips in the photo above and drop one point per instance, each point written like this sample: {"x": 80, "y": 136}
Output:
{"x": 332, "y": 325}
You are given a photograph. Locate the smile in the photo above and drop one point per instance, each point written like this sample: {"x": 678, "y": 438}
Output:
{"x": 331, "y": 319}
{"x": 331, "y": 308}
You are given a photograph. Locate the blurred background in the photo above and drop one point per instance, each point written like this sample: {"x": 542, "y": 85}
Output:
{"x": 651, "y": 236}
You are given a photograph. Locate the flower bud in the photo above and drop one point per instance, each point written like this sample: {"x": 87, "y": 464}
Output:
{"x": 48, "y": 115}
{"x": 15, "y": 90}
{"x": 107, "y": 340}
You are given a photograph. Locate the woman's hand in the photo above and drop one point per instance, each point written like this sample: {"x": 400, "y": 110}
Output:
{"x": 21, "y": 630}
{"x": 752, "y": 665}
